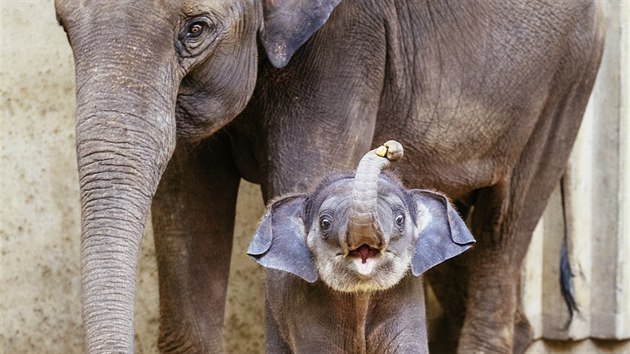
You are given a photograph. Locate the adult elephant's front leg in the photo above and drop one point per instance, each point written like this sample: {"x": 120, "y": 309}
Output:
{"x": 193, "y": 221}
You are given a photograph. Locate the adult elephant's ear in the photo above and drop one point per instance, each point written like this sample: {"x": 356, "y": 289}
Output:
{"x": 289, "y": 23}
{"x": 442, "y": 234}
{"x": 280, "y": 239}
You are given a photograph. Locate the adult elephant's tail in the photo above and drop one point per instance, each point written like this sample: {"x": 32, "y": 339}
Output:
{"x": 566, "y": 273}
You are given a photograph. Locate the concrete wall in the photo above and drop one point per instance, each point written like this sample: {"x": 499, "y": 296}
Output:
{"x": 40, "y": 218}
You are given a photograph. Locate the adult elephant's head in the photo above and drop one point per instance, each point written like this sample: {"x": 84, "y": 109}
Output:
{"x": 147, "y": 73}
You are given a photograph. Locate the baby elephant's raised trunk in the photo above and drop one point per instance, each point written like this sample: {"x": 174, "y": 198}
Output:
{"x": 362, "y": 228}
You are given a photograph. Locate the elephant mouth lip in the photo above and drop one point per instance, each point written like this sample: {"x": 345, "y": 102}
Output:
{"x": 364, "y": 252}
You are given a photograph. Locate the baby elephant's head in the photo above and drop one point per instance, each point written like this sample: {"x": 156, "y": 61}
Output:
{"x": 361, "y": 232}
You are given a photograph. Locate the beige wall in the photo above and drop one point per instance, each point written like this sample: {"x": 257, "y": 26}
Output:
{"x": 40, "y": 220}
{"x": 40, "y": 215}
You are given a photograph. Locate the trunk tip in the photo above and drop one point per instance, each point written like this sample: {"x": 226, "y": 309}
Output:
{"x": 392, "y": 150}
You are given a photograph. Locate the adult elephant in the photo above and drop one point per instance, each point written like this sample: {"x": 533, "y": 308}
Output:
{"x": 486, "y": 96}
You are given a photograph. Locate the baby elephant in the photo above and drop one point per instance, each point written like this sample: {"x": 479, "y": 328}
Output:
{"x": 337, "y": 261}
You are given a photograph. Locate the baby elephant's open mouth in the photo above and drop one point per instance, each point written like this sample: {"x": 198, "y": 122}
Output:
{"x": 364, "y": 252}
{"x": 364, "y": 259}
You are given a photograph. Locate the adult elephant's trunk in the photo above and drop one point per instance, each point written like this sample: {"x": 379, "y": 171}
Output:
{"x": 362, "y": 227}
{"x": 125, "y": 137}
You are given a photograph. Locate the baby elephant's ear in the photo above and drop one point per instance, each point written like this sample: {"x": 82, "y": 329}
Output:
{"x": 280, "y": 240}
{"x": 442, "y": 233}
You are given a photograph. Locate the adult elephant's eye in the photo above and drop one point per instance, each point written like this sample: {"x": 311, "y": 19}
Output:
{"x": 195, "y": 29}
{"x": 197, "y": 35}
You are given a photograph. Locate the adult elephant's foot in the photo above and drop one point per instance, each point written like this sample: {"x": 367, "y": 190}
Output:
{"x": 486, "y": 338}
{"x": 489, "y": 326}
{"x": 445, "y": 337}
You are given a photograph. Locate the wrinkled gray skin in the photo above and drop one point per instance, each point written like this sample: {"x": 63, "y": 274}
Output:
{"x": 178, "y": 100}
{"x": 341, "y": 263}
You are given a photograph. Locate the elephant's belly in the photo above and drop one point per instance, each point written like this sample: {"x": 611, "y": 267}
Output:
{"x": 456, "y": 180}
{"x": 458, "y": 156}
{"x": 461, "y": 140}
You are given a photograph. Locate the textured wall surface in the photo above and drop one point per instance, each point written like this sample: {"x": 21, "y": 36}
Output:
{"x": 40, "y": 209}
{"x": 40, "y": 218}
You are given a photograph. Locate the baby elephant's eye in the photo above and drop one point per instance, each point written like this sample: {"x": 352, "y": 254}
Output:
{"x": 325, "y": 223}
{"x": 400, "y": 219}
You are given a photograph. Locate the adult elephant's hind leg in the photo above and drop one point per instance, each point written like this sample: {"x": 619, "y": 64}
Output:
{"x": 193, "y": 221}
{"x": 504, "y": 219}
